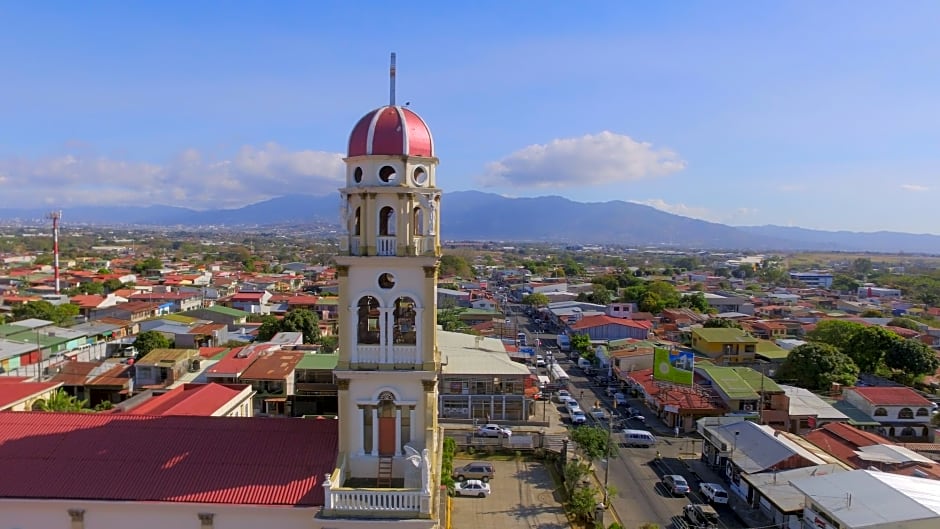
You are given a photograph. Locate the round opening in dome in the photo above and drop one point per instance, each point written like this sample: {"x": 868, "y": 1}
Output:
{"x": 387, "y": 173}
{"x": 386, "y": 280}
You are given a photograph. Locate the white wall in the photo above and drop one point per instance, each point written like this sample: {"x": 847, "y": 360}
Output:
{"x": 53, "y": 514}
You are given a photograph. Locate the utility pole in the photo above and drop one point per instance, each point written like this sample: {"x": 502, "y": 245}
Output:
{"x": 610, "y": 427}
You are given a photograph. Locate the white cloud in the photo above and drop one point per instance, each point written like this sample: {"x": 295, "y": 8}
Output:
{"x": 191, "y": 179}
{"x": 594, "y": 159}
{"x": 914, "y": 187}
{"x": 699, "y": 212}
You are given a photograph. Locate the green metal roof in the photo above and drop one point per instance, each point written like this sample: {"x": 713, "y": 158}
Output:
{"x": 330, "y": 300}
{"x": 228, "y": 311}
{"x": 771, "y": 351}
{"x": 723, "y": 335}
{"x": 318, "y": 361}
{"x": 179, "y": 318}
{"x": 730, "y": 382}
{"x": 11, "y": 329}
{"x": 753, "y": 378}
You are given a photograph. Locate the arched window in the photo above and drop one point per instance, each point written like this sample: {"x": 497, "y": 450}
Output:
{"x": 404, "y": 331}
{"x": 881, "y": 412}
{"x": 369, "y": 326}
{"x": 417, "y": 221}
{"x": 387, "y": 221}
{"x": 922, "y": 412}
{"x": 906, "y": 413}
{"x": 356, "y": 219}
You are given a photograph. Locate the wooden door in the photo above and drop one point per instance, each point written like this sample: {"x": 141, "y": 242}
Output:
{"x": 387, "y": 437}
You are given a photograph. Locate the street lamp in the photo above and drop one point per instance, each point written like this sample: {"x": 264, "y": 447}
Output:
{"x": 610, "y": 427}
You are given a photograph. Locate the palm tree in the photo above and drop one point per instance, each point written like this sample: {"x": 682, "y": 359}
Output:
{"x": 60, "y": 401}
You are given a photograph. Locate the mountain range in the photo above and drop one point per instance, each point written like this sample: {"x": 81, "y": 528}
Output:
{"x": 473, "y": 215}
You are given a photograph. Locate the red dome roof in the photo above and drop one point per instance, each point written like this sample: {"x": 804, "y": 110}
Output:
{"x": 391, "y": 130}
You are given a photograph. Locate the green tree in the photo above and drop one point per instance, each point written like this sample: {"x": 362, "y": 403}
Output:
{"x": 151, "y": 263}
{"x": 113, "y": 284}
{"x": 911, "y": 359}
{"x": 60, "y": 401}
{"x": 581, "y": 344}
{"x": 721, "y": 323}
{"x": 455, "y": 265}
{"x": 269, "y": 327}
{"x": 695, "y": 301}
{"x": 868, "y": 347}
{"x": 862, "y": 267}
{"x": 62, "y": 315}
{"x": 449, "y": 320}
{"x": 91, "y": 287}
{"x": 574, "y": 473}
{"x": 845, "y": 283}
{"x": 582, "y": 502}
{"x": 304, "y": 321}
{"x": 148, "y": 341}
{"x": 535, "y": 300}
{"x": 905, "y": 323}
{"x": 818, "y": 366}
{"x": 872, "y": 313}
{"x": 594, "y": 441}
{"x": 837, "y": 333}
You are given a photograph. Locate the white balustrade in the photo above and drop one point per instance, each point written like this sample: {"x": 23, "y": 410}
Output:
{"x": 423, "y": 245}
{"x": 405, "y": 354}
{"x": 354, "y": 246}
{"x": 365, "y": 500}
{"x": 387, "y": 245}
{"x": 369, "y": 354}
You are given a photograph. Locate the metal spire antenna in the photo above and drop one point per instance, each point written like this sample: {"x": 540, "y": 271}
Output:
{"x": 391, "y": 81}
{"x": 55, "y": 216}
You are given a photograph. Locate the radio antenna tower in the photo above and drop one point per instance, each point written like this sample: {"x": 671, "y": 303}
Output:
{"x": 55, "y": 216}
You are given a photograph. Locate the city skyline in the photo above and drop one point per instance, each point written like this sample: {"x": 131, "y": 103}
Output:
{"x": 796, "y": 113}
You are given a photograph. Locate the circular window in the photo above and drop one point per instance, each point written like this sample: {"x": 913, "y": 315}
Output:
{"x": 420, "y": 176}
{"x": 386, "y": 280}
{"x": 357, "y": 175}
{"x": 387, "y": 173}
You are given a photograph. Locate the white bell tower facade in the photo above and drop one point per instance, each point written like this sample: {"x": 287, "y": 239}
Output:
{"x": 387, "y": 267}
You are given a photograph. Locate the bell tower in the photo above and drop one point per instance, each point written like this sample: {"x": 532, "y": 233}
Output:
{"x": 387, "y": 267}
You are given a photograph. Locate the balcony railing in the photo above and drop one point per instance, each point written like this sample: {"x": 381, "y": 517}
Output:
{"x": 369, "y": 354}
{"x": 387, "y": 245}
{"x": 423, "y": 245}
{"x": 407, "y": 502}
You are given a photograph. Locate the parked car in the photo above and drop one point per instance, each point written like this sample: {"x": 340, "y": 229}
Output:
{"x": 494, "y": 430}
{"x": 477, "y": 470}
{"x": 571, "y": 406}
{"x": 599, "y": 413}
{"x": 676, "y": 484}
{"x": 539, "y": 361}
{"x": 562, "y": 395}
{"x": 578, "y": 417}
{"x": 701, "y": 515}
{"x": 714, "y": 492}
{"x": 611, "y": 390}
{"x": 472, "y": 487}
{"x": 620, "y": 398}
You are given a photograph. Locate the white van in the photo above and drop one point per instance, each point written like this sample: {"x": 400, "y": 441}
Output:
{"x": 584, "y": 363}
{"x": 638, "y": 438}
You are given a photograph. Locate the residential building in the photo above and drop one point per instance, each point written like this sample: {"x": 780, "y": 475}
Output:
{"x": 860, "y": 449}
{"x": 95, "y": 382}
{"x": 272, "y": 376}
{"x": 741, "y": 389}
{"x": 722, "y": 303}
{"x": 480, "y": 381}
{"x": 163, "y": 367}
{"x": 22, "y": 394}
{"x": 815, "y": 279}
{"x": 206, "y": 400}
{"x": 676, "y": 405}
{"x": 315, "y": 389}
{"x": 901, "y": 412}
{"x": 724, "y": 345}
{"x": 603, "y": 327}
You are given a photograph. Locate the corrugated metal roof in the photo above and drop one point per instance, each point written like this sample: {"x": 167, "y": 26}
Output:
{"x": 11, "y": 394}
{"x": 190, "y": 399}
{"x": 275, "y": 365}
{"x": 119, "y": 457}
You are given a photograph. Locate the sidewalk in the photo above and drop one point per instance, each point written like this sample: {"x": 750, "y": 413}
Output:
{"x": 748, "y": 515}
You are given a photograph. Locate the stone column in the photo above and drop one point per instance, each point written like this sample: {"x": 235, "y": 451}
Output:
{"x": 375, "y": 431}
{"x": 362, "y": 432}
{"x": 412, "y": 427}
{"x": 398, "y": 445}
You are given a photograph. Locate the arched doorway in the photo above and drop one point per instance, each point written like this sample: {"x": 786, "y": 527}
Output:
{"x": 388, "y": 438}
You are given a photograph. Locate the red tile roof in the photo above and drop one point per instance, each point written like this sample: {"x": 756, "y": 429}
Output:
{"x": 120, "y": 457}
{"x": 190, "y": 399}
{"x": 11, "y": 394}
{"x": 891, "y": 396}
{"x": 685, "y": 398}
{"x": 209, "y": 352}
{"x": 842, "y": 440}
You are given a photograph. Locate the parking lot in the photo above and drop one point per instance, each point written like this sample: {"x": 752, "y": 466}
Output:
{"x": 523, "y": 495}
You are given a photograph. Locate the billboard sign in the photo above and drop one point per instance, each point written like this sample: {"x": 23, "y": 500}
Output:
{"x": 529, "y": 351}
{"x": 673, "y": 365}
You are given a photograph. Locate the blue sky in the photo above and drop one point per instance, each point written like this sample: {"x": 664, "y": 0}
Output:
{"x": 815, "y": 114}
